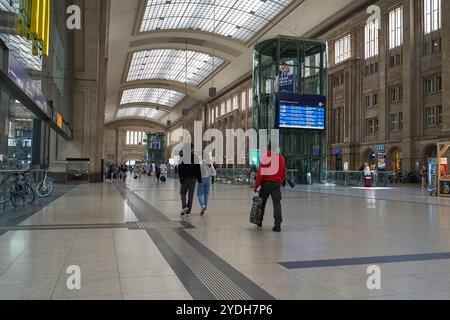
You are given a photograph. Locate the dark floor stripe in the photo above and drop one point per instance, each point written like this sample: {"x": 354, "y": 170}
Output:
{"x": 69, "y": 227}
{"x": 145, "y": 212}
{"x": 365, "y": 261}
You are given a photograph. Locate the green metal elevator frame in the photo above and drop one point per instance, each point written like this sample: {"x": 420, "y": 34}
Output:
{"x": 305, "y": 150}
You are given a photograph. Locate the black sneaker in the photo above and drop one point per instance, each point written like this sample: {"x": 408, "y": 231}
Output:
{"x": 184, "y": 212}
{"x": 276, "y": 229}
{"x": 260, "y": 225}
{"x": 203, "y": 211}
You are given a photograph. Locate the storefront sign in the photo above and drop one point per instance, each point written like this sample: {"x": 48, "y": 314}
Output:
{"x": 337, "y": 151}
{"x": 380, "y": 148}
{"x": 21, "y": 79}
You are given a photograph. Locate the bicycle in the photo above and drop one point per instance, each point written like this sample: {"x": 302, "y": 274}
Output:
{"x": 45, "y": 188}
{"x": 21, "y": 190}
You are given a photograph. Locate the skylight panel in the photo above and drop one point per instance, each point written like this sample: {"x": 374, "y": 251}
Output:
{"x": 237, "y": 19}
{"x": 155, "y": 96}
{"x": 170, "y": 64}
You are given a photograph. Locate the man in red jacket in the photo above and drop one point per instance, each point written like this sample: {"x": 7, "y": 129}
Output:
{"x": 271, "y": 176}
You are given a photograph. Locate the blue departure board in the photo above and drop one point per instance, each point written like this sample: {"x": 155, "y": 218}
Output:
{"x": 301, "y": 117}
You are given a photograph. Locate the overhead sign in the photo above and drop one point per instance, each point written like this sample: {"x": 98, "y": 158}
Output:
{"x": 302, "y": 116}
{"x": 21, "y": 79}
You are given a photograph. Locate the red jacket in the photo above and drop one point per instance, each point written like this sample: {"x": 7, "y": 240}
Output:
{"x": 279, "y": 176}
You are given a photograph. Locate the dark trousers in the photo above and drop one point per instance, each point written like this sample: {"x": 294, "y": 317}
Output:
{"x": 188, "y": 190}
{"x": 272, "y": 189}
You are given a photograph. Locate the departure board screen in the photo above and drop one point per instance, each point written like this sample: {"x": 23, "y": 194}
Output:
{"x": 301, "y": 116}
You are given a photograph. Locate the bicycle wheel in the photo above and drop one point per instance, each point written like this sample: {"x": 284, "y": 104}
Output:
{"x": 14, "y": 196}
{"x": 28, "y": 194}
{"x": 44, "y": 189}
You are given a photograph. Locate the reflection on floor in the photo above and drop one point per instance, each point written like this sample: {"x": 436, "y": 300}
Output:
{"x": 130, "y": 243}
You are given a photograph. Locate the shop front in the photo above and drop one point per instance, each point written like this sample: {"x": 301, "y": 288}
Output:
{"x": 443, "y": 172}
{"x": 26, "y": 117}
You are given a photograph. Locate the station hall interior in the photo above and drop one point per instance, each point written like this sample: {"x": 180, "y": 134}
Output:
{"x": 101, "y": 100}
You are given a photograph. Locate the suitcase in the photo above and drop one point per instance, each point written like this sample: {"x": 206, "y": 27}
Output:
{"x": 163, "y": 179}
{"x": 368, "y": 182}
{"x": 256, "y": 215}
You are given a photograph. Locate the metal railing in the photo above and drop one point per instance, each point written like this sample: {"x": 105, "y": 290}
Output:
{"x": 233, "y": 176}
{"x": 356, "y": 178}
{"x": 6, "y": 178}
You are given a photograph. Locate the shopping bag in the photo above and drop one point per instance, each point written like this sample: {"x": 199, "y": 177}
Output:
{"x": 256, "y": 214}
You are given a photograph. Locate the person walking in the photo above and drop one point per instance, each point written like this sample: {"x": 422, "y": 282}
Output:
{"x": 424, "y": 177}
{"x": 189, "y": 173}
{"x": 367, "y": 176}
{"x": 208, "y": 173}
{"x": 269, "y": 184}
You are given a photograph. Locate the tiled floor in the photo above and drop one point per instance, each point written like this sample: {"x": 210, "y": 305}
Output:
{"x": 321, "y": 223}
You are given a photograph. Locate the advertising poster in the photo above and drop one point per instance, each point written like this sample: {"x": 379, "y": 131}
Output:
{"x": 444, "y": 168}
{"x": 381, "y": 162}
{"x": 287, "y": 77}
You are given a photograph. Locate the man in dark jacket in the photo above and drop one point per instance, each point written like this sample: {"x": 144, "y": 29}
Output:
{"x": 190, "y": 174}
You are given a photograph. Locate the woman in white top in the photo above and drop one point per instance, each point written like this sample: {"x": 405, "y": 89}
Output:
{"x": 208, "y": 171}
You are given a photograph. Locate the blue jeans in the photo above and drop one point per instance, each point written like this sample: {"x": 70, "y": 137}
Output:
{"x": 203, "y": 192}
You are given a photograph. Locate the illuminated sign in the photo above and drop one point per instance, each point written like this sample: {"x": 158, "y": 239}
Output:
{"x": 59, "y": 120}
{"x": 34, "y": 24}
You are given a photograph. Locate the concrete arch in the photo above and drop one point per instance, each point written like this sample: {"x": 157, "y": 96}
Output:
{"x": 132, "y": 157}
{"x": 159, "y": 83}
{"x": 430, "y": 151}
{"x": 137, "y": 122}
{"x": 366, "y": 156}
{"x": 145, "y": 105}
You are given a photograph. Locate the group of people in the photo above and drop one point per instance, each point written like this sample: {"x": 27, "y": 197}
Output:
{"x": 116, "y": 171}
{"x": 397, "y": 177}
{"x": 268, "y": 183}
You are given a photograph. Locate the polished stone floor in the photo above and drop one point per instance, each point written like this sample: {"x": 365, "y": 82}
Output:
{"x": 130, "y": 243}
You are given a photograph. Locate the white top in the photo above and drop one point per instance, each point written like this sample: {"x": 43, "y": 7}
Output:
{"x": 207, "y": 171}
{"x": 367, "y": 172}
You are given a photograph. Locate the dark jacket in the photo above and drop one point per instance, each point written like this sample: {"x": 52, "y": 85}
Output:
{"x": 189, "y": 171}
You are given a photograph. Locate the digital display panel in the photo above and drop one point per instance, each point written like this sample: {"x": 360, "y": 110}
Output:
{"x": 301, "y": 116}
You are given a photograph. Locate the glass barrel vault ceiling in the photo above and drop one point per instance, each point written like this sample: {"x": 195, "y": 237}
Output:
{"x": 20, "y": 47}
{"x": 140, "y": 112}
{"x": 156, "y": 96}
{"x": 170, "y": 64}
{"x": 238, "y": 19}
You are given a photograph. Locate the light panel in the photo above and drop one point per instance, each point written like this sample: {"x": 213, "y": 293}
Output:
{"x": 141, "y": 112}
{"x": 237, "y": 19}
{"x": 170, "y": 64}
{"x": 21, "y": 48}
{"x": 155, "y": 96}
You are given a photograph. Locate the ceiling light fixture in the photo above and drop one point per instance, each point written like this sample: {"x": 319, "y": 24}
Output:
{"x": 213, "y": 90}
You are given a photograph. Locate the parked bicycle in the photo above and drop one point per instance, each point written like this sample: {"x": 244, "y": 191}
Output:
{"x": 45, "y": 188}
{"x": 21, "y": 191}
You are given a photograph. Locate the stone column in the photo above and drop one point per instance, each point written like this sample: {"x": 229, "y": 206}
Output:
{"x": 90, "y": 61}
{"x": 446, "y": 66}
{"x": 4, "y": 121}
